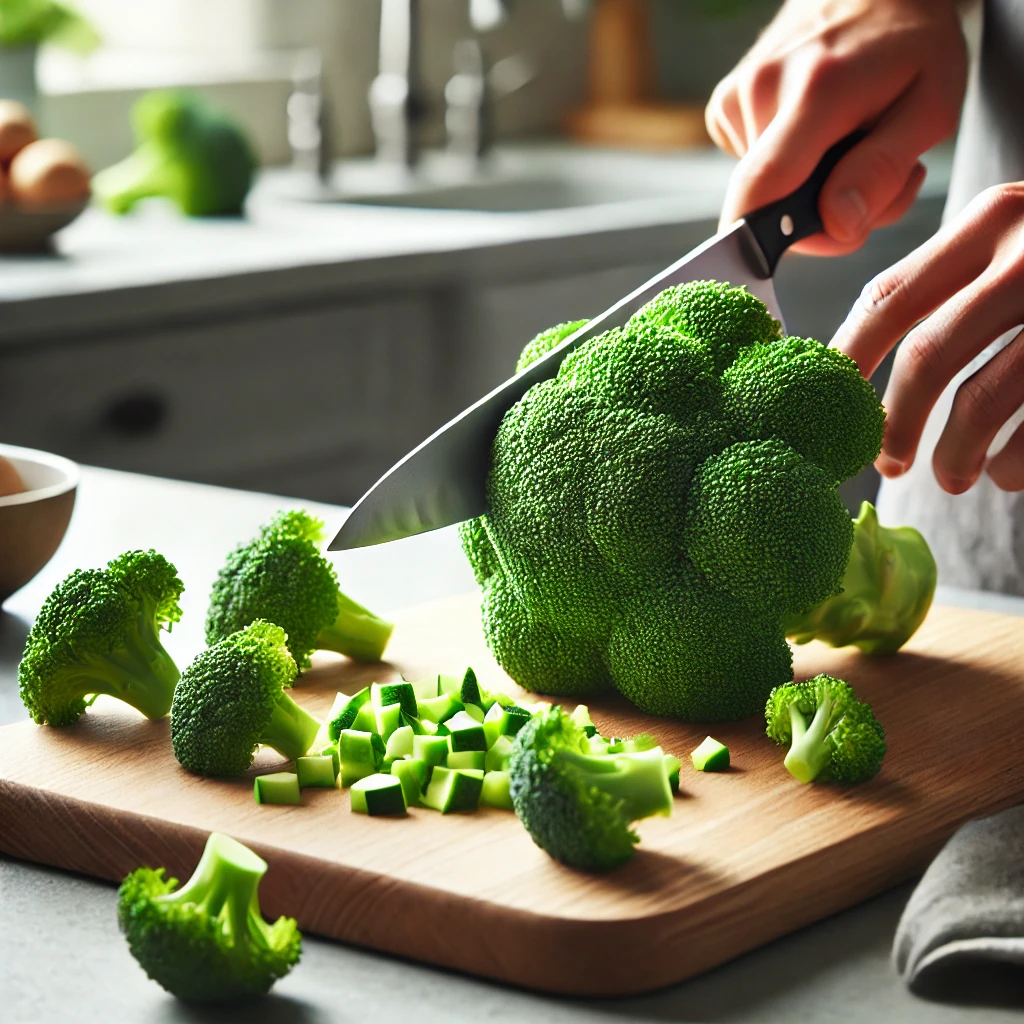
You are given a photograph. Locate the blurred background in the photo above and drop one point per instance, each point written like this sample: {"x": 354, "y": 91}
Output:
{"x": 438, "y": 180}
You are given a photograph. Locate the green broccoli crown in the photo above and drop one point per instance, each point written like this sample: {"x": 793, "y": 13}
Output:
{"x": 578, "y": 807}
{"x": 660, "y": 507}
{"x": 546, "y": 341}
{"x": 281, "y": 575}
{"x": 207, "y": 941}
{"x": 99, "y": 632}
{"x": 832, "y": 735}
{"x": 232, "y": 699}
{"x": 189, "y": 151}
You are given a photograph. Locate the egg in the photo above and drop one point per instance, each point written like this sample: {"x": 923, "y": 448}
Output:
{"x": 49, "y": 172}
{"x": 10, "y": 481}
{"x": 17, "y": 129}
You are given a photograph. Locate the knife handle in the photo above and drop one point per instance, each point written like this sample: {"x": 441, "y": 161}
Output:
{"x": 776, "y": 226}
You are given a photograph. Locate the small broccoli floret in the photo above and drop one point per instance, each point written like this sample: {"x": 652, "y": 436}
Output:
{"x": 546, "y": 341}
{"x": 99, "y": 632}
{"x": 578, "y": 807}
{"x": 207, "y": 941}
{"x": 280, "y": 575}
{"x": 232, "y": 699}
{"x": 832, "y": 735}
{"x": 188, "y": 151}
{"x": 887, "y": 590}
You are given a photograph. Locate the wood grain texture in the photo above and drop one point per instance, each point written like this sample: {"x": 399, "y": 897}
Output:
{"x": 747, "y": 856}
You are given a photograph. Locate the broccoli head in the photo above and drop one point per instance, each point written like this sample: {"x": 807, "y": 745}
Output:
{"x": 99, "y": 632}
{"x": 832, "y": 735}
{"x": 661, "y": 507}
{"x": 207, "y": 941}
{"x": 887, "y": 590}
{"x": 578, "y": 807}
{"x": 232, "y": 699}
{"x": 188, "y": 151}
{"x": 280, "y": 575}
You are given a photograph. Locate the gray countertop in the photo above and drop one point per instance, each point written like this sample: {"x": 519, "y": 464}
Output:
{"x": 61, "y": 957}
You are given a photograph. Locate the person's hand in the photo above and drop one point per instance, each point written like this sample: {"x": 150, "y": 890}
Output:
{"x": 822, "y": 69}
{"x": 968, "y": 280}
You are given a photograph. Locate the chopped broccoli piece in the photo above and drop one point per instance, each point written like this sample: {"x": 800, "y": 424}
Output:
{"x": 378, "y": 795}
{"x": 578, "y": 807}
{"x": 319, "y": 770}
{"x": 413, "y": 774}
{"x": 517, "y": 718}
{"x": 710, "y": 756}
{"x": 464, "y": 733}
{"x": 383, "y": 694}
{"x": 887, "y": 590}
{"x": 99, "y": 632}
{"x": 581, "y": 716}
{"x": 399, "y": 743}
{"x": 281, "y": 576}
{"x": 453, "y": 789}
{"x": 431, "y": 750}
{"x": 278, "y": 788}
{"x": 387, "y": 720}
{"x": 672, "y": 766}
{"x": 439, "y": 709}
{"x": 495, "y": 791}
{"x": 207, "y": 941}
{"x": 343, "y": 713}
{"x": 833, "y": 736}
{"x": 660, "y": 508}
{"x": 188, "y": 151}
{"x": 232, "y": 699}
{"x": 476, "y": 759}
{"x": 499, "y": 754}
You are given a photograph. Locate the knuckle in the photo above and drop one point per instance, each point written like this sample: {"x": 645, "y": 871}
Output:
{"x": 885, "y": 168}
{"x": 884, "y": 291}
{"x": 978, "y": 405}
{"x": 923, "y": 363}
{"x": 759, "y": 80}
{"x": 824, "y": 73}
{"x": 999, "y": 202}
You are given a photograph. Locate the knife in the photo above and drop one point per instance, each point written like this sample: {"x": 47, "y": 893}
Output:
{"x": 443, "y": 480}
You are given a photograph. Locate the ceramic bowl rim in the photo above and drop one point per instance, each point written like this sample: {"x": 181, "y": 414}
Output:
{"x": 69, "y": 469}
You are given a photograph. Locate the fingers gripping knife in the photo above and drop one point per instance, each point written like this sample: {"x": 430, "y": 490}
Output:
{"x": 442, "y": 481}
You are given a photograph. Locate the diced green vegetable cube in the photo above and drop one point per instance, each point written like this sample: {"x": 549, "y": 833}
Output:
{"x": 356, "y": 746}
{"x": 316, "y": 770}
{"x": 437, "y": 709}
{"x": 495, "y": 791}
{"x": 517, "y": 718}
{"x": 495, "y": 722}
{"x": 581, "y": 717}
{"x": 353, "y": 771}
{"x": 399, "y": 743}
{"x": 470, "y": 691}
{"x": 452, "y": 685}
{"x": 453, "y": 790}
{"x": 413, "y": 774}
{"x": 710, "y": 756}
{"x": 465, "y": 733}
{"x": 345, "y": 711}
{"x": 430, "y": 750}
{"x": 389, "y": 718}
{"x": 466, "y": 759}
{"x": 672, "y": 766}
{"x": 378, "y": 795}
{"x": 384, "y": 694}
{"x": 497, "y": 757}
{"x": 277, "y": 788}
{"x": 425, "y": 689}
{"x": 475, "y": 712}
{"x": 366, "y": 717}
{"x": 503, "y": 699}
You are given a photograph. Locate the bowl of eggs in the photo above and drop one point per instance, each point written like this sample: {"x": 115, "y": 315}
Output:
{"x": 44, "y": 183}
{"x": 37, "y": 495}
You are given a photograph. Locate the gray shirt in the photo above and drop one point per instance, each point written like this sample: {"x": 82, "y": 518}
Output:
{"x": 977, "y": 537}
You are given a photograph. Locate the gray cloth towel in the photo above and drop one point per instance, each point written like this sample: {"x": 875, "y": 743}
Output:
{"x": 969, "y": 906}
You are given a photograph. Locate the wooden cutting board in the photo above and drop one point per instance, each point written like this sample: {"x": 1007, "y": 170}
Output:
{"x": 747, "y": 855}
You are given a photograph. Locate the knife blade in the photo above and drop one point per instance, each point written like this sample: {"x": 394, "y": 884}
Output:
{"x": 443, "y": 480}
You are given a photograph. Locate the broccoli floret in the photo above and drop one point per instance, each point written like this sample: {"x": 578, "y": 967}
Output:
{"x": 99, "y": 632}
{"x": 188, "y": 151}
{"x": 280, "y": 575}
{"x": 661, "y": 507}
{"x": 207, "y": 941}
{"x": 232, "y": 699}
{"x": 886, "y": 591}
{"x": 832, "y": 735}
{"x": 546, "y": 341}
{"x": 578, "y": 807}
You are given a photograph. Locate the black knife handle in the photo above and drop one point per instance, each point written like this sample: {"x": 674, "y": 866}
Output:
{"x": 795, "y": 217}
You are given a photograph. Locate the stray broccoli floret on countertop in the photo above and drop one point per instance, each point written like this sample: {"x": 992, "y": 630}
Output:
{"x": 578, "y": 807}
{"x": 188, "y": 151}
{"x": 281, "y": 576}
{"x": 99, "y": 632}
{"x": 233, "y": 698}
{"x": 832, "y": 735}
{"x": 206, "y": 941}
{"x": 659, "y": 509}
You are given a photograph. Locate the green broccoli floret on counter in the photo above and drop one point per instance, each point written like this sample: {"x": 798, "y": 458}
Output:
{"x": 232, "y": 699}
{"x": 578, "y": 807}
{"x": 832, "y": 735}
{"x": 280, "y": 575}
{"x": 662, "y": 507}
{"x": 99, "y": 632}
{"x": 887, "y": 590}
{"x": 546, "y": 341}
{"x": 207, "y": 941}
{"x": 188, "y": 151}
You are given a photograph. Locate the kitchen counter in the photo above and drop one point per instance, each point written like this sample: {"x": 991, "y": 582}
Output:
{"x": 61, "y": 957}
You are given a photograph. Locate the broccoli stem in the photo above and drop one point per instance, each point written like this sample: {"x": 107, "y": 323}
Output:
{"x": 141, "y": 175}
{"x": 809, "y": 751}
{"x": 142, "y": 676}
{"x": 640, "y": 780}
{"x": 356, "y": 632}
{"x": 225, "y": 885}
{"x": 291, "y": 730}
